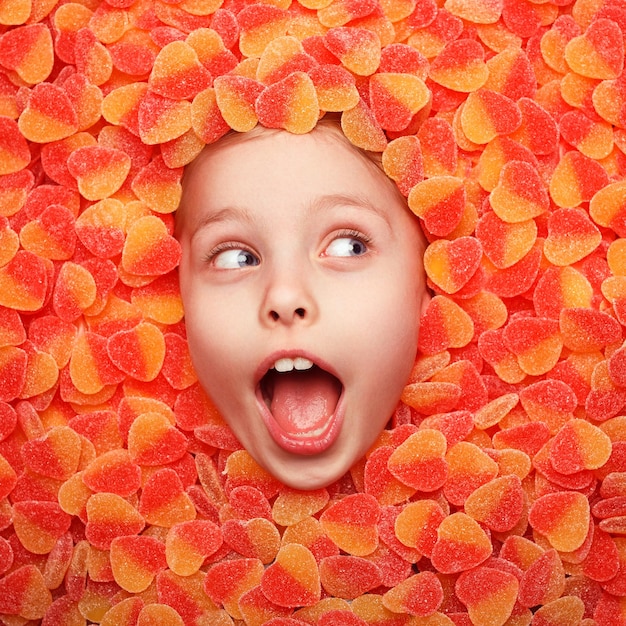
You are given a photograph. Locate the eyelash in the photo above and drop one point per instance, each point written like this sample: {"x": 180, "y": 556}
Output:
{"x": 353, "y": 234}
{"x": 221, "y": 247}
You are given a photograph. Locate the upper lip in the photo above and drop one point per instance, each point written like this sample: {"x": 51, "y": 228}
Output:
{"x": 268, "y": 362}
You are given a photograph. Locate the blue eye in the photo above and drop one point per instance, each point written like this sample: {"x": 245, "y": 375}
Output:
{"x": 346, "y": 246}
{"x": 235, "y": 258}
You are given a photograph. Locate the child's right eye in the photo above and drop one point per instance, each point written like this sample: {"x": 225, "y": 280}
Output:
{"x": 234, "y": 258}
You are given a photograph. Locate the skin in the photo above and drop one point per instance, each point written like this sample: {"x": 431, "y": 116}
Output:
{"x": 298, "y": 245}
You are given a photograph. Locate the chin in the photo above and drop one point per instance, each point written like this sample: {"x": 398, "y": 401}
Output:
{"x": 307, "y": 473}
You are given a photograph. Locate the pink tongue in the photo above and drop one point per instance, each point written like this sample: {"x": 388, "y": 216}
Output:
{"x": 303, "y": 401}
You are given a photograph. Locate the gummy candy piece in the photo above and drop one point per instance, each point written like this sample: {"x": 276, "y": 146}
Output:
{"x": 543, "y": 581}
{"x": 177, "y": 73}
{"x": 153, "y": 440}
{"x": 600, "y": 329}
{"x": 14, "y": 151}
{"x": 110, "y": 516}
{"x": 563, "y": 518}
{"x": 243, "y": 470}
{"x": 335, "y": 87}
{"x": 460, "y": 66}
{"x": 159, "y": 187}
{"x": 497, "y": 504}
{"x": 161, "y": 119}
{"x": 51, "y": 235}
{"x": 416, "y": 525}
{"x": 360, "y": 126}
{"x": 402, "y": 162}
{"x": 351, "y": 524}
{"x": 489, "y": 594}
{"x": 443, "y": 265}
{"x": 561, "y": 288}
{"x": 571, "y": 237}
{"x": 121, "y": 106}
{"x": 593, "y": 139}
{"x": 420, "y": 594}
{"x": 504, "y": 242}
{"x": 149, "y": 249}
{"x": 461, "y": 544}
{"x": 379, "y": 482}
{"x": 228, "y": 581}
{"x": 358, "y": 49}
{"x": 602, "y": 563}
{"x": 136, "y": 560}
{"x": 74, "y": 292}
{"x": 138, "y": 352}
{"x": 28, "y": 50}
{"x": 99, "y": 171}
{"x": 93, "y": 59}
{"x": 430, "y": 398}
{"x": 348, "y": 577}
{"x": 293, "y": 578}
{"x": 212, "y": 50}
{"x": 487, "y": 114}
{"x": 604, "y": 400}
{"x": 282, "y": 57}
{"x": 187, "y": 545}
{"x": 444, "y": 325}
{"x": 598, "y": 52}
{"x": 520, "y": 193}
{"x": 395, "y": 98}
{"x": 464, "y": 374}
{"x": 255, "y": 538}
{"x": 159, "y": 614}
{"x": 291, "y": 506}
{"x": 290, "y": 103}
{"x": 495, "y": 411}
{"x": 551, "y": 402}
{"x": 48, "y": 116}
{"x": 468, "y": 468}
{"x": 112, "y": 471}
{"x": 419, "y": 461}
{"x": 235, "y": 97}
{"x": 310, "y": 534}
{"x": 38, "y": 524}
{"x": 24, "y": 282}
{"x": 259, "y": 25}
{"x": 257, "y": 609}
{"x": 56, "y": 455}
{"x": 536, "y": 342}
{"x": 576, "y": 179}
{"x": 90, "y": 368}
{"x": 538, "y": 131}
{"x": 23, "y": 592}
{"x": 206, "y": 120}
{"x": 163, "y": 500}
{"x": 440, "y": 202}
{"x": 100, "y": 228}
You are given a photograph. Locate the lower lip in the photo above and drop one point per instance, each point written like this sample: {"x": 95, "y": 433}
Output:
{"x": 303, "y": 444}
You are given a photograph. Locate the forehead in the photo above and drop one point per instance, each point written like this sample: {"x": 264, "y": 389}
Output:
{"x": 242, "y": 166}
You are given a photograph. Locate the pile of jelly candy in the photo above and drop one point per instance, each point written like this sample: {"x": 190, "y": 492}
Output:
{"x": 497, "y": 497}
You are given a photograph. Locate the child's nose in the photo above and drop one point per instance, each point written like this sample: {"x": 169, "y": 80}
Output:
{"x": 289, "y": 300}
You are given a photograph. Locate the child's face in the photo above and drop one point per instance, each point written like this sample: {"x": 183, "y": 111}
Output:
{"x": 299, "y": 253}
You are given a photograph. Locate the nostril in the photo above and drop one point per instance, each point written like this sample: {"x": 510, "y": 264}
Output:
{"x": 274, "y": 315}
{"x": 300, "y": 312}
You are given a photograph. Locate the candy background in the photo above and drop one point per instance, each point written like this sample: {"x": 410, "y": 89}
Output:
{"x": 497, "y": 496}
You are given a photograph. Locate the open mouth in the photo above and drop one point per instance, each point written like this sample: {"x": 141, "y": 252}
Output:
{"x": 300, "y": 403}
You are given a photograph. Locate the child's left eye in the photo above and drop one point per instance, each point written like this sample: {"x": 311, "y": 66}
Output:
{"x": 346, "y": 246}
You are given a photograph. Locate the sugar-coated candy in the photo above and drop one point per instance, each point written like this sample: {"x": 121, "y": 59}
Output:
{"x": 348, "y": 577}
{"x": 461, "y": 544}
{"x": 489, "y": 594}
{"x": 420, "y": 594}
{"x": 352, "y": 524}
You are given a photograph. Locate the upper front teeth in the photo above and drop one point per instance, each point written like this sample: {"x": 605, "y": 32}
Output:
{"x": 287, "y": 364}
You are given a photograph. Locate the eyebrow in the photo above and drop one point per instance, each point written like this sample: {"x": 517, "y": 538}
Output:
{"x": 355, "y": 200}
{"x": 320, "y": 204}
